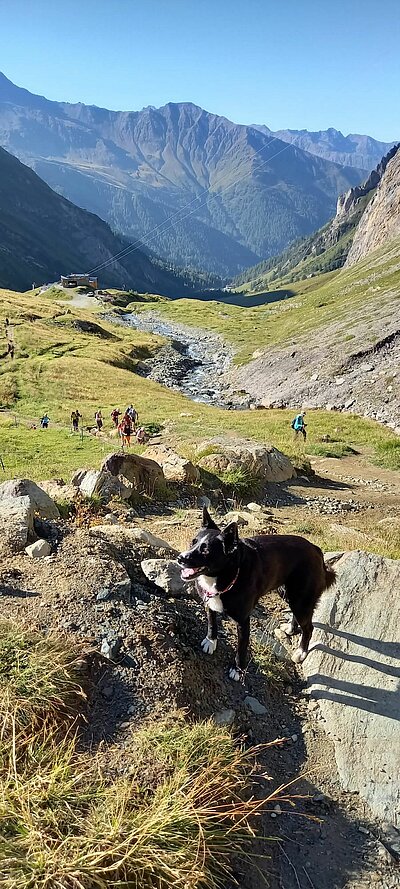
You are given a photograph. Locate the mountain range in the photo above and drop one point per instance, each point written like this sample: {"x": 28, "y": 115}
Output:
{"x": 43, "y": 235}
{"x": 196, "y": 188}
{"x": 354, "y": 150}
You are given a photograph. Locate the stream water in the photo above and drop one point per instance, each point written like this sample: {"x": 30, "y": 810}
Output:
{"x": 193, "y": 362}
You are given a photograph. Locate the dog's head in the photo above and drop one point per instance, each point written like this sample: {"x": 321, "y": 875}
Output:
{"x": 210, "y": 551}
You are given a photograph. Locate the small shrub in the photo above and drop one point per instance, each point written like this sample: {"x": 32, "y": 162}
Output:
{"x": 241, "y": 481}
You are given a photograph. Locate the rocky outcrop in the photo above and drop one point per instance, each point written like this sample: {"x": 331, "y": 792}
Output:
{"x": 40, "y": 502}
{"x": 176, "y": 468}
{"x": 380, "y": 222}
{"x": 263, "y": 462}
{"x": 353, "y": 673}
{"x": 102, "y": 483}
{"x": 16, "y": 523}
{"x": 346, "y": 202}
{"x": 145, "y": 475}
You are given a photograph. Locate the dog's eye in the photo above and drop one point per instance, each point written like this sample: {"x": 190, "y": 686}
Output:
{"x": 203, "y": 548}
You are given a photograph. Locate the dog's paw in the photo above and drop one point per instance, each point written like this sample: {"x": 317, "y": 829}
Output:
{"x": 288, "y": 628}
{"x": 209, "y": 645}
{"x": 299, "y": 656}
{"x": 235, "y": 674}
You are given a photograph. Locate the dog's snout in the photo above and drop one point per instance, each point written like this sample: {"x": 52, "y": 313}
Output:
{"x": 183, "y": 557}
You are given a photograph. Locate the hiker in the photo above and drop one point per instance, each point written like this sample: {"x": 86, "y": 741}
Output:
{"x": 299, "y": 426}
{"x": 44, "y": 421}
{"x": 99, "y": 420}
{"x": 133, "y": 414}
{"x": 142, "y": 436}
{"x": 75, "y": 417}
{"x": 115, "y": 414}
{"x": 10, "y": 349}
{"x": 125, "y": 430}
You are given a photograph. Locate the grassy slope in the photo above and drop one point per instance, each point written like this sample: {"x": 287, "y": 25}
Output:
{"x": 57, "y": 368}
{"x": 315, "y": 303}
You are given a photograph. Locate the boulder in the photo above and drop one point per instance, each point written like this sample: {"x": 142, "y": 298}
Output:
{"x": 39, "y": 549}
{"x": 57, "y": 489}
{"x": 176, "y": 468}
{"x": 102, "y": 483}
{"x": 121, "y": 535}
{"x": 145, "y": 475}
{"x": 264, "y": 462}
{"x": 165, "y": 574}
{"x": 16, "y": 523}
{"x": 353, "y": 672}
{"x": 41, "y": 503}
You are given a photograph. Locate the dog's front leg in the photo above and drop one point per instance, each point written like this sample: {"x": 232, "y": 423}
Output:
{"x": 209, "y": 644}
{"x": 243, "y": 637}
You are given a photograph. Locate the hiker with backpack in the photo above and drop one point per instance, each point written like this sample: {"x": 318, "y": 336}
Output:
{"x": 115, "y": 415}
{"x": 299, "y": 426}
{"x": 125, "y": 429}
{"x": 99, "y": 420}
{"x": 133, "y": 414}
{"x": 44, "y": 421}
{"x": 75, "y": 417}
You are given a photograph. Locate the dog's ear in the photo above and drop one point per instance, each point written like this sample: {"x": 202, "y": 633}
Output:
{"x": 208, "y": 521}
{"x": 230, "y": 537}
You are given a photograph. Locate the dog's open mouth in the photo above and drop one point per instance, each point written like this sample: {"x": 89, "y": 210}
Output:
{"x": 191, "y": 573}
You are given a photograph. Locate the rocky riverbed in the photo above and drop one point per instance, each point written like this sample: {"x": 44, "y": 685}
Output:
{"x": 193, "y": 361}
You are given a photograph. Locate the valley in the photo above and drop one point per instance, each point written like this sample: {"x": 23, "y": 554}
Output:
{"x": 230, "y": 297}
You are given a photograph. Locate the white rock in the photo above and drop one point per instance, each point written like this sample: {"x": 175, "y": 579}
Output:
{"x": 166, "y": 574}
{"x": 39, "y": 549}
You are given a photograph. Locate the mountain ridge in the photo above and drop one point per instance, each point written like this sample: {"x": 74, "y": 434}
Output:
{"x": 196, "y": 187}
{"x": 43, "y": 235}
{"x": 355, "y": 149}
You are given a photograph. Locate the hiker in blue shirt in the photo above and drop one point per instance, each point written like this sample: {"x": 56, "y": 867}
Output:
{"x": 299, "y": 426}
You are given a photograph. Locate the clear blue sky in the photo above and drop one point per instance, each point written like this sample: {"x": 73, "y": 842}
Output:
{"x": 287, "y": 63}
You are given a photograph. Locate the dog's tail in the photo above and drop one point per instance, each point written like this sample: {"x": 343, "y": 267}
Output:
{"x": 330, "y": 576}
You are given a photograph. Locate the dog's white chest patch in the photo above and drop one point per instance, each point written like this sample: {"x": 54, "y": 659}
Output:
{"x": 211, "y": 598}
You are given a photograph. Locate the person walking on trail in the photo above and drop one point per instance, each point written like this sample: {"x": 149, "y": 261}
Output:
{"x": 125, "y": 429}
{"x": 44, "y": 421}
{"x": 115, "y": 415}
{"x": 299, "y": 426}
{"x": 99, "y": 420}
{"x": 133, "y": 414}
{"x": 142, "y": 436}
{"x": 75, "y": 417}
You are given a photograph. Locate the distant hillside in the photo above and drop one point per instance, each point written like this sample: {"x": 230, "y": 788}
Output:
{"x": 328, "y": 248}
{"x": 380, "y": 223}
{"x": 42, "y": 235}
{"x": 354, "y": 150}
{"x": 198, "y": 189}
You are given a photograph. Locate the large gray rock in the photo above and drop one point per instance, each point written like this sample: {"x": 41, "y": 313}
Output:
{"x": 264, "y": 462}
{"x": 176, "y": 468}
{"x": 145, "y": 475}
{"x": 353, "y": 671}
{"x": 41, "y": 503}
{"x": 16, "y": 523}
{"x": 102, "y": 483}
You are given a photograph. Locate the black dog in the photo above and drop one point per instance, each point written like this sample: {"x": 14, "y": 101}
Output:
{"x": 232, "y": 575}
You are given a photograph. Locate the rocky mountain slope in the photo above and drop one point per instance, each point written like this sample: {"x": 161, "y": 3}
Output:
{"x": 353, "y": 150}
{"x": 42, "y": 235}
{"x": 380, "y": 223}
{"x": 339, "y": 345}
{"x": 235, "y": 194}
{"x": 328, "y": 248}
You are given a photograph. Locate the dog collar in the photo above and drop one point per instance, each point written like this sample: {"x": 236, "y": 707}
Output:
{"x": 220, "y": 592}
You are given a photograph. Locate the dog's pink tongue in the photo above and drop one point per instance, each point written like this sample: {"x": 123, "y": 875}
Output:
{"x": 187, "y": 572}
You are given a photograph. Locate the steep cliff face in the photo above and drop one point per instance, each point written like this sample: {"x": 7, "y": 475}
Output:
{"x": 380, "y": 222}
